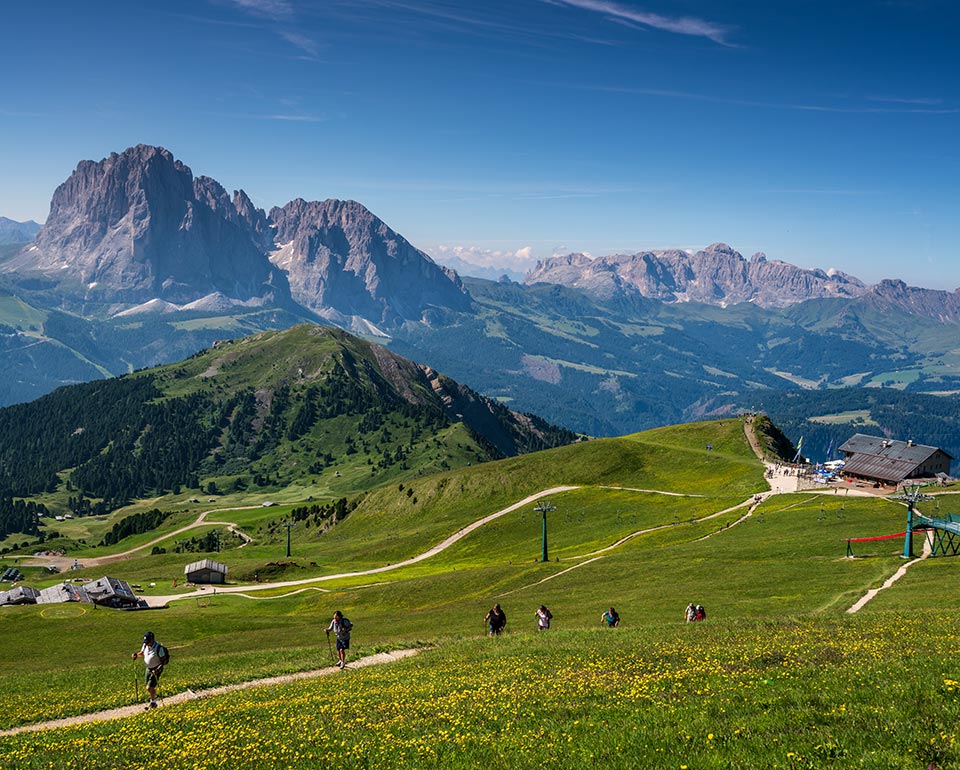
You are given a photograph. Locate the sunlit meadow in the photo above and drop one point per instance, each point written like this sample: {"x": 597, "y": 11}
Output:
{"x": 876, "y": 692}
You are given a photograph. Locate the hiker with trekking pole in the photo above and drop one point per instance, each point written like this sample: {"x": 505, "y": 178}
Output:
{"x": 155, "y": 657}
{"x": 341, "y": 627}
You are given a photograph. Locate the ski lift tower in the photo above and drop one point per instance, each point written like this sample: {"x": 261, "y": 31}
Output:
{"x": 911, "y": 496}
{"x": 544, "y": 508}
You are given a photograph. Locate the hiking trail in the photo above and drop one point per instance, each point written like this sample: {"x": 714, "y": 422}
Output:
{"x": 188, "y": 695}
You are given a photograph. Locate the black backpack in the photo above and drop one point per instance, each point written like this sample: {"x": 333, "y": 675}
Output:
{"x": 164, "y": 654}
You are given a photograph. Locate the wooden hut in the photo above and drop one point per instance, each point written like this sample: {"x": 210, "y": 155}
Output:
{"x": 206, "y": 571}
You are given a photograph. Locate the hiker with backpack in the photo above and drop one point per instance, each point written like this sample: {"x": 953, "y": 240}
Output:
{"x": 155, "y": 657}
{"x": 341, "y": 627}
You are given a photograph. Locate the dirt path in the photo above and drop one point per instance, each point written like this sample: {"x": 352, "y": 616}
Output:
{"x": 159, "y": 601}
{"x": 64, "y": 563}
{"x": 602, "y": 553}
{"x": 188, "y": 695}
{"x": 780, "y": 478}
{"x": 862, "y": 601}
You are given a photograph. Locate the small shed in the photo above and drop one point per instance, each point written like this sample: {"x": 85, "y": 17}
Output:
{"x": 112, "y": 592}
{"x": 63, "y": 592}
{"x": 206, "y": 571}
{"x": 19, "y": 595}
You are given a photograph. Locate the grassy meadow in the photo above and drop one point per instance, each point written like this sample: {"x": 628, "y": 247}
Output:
{"x": 778, "y": 676}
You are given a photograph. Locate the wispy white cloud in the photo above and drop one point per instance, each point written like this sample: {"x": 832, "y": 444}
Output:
{"x": 919, "y": 101}
{"x": 278, "y": 10}
{"x": 680, "y": 25}
{"x": 870, "y": 105}
{"x": 300, "y": 118}
{"x": 279, "y": 15}
{"x": 301, "y": 41}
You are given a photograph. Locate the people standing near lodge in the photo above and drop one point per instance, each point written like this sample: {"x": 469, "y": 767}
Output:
{"x": 611, "y": 618}
{"x": 544, "y": 616}
{"x": 496, "y": 620}
{"x": 155, "y": 657}
{"x": 341, "y": 626}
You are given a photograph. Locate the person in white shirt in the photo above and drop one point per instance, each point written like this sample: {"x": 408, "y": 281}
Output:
{"x": 151, "y": 651}
{"x": 544, "y": 616}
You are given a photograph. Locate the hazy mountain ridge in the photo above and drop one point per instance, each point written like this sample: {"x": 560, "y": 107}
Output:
{"x": 13, "y": 232}
{"x": 717, "y": 275}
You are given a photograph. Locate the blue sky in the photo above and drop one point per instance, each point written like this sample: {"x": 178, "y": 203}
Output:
{"x": 826, "y": 134}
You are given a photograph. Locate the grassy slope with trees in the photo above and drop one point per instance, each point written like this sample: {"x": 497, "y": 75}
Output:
{"x": 263, "y": 412}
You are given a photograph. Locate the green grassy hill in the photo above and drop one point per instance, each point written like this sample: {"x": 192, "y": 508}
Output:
{"x": 778, "y": 676}
{"x": 310, "y": 411}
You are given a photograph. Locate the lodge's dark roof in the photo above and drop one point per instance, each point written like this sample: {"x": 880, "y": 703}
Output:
{"x": 62, "y": 592}
{"x": 107, "y": 588}
{"x": 209, "y": 564}
{"x": 19, "y": 595}
{"x": 884, "y": 459}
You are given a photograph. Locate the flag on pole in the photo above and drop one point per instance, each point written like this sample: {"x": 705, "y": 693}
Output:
{"x": 799, "y": 447}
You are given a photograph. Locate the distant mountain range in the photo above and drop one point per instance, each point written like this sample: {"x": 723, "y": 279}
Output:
{"x": 142, "y": 263}
{"x": 717, "y": 275}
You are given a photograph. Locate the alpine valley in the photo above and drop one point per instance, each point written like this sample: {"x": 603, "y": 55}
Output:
{"x": 141, "y": 263}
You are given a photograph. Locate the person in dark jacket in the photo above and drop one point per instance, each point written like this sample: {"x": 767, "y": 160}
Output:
{"x": 496, "y": 620}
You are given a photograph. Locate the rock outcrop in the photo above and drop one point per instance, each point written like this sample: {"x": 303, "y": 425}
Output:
{"x": 942, "y": 306}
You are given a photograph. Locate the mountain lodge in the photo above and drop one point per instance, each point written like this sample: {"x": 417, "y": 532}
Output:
{"x": 889, "y": 462}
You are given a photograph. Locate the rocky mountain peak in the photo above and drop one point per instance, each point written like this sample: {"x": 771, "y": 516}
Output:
{"x": 722, "y": 248}
{"x": 137, "y": 226}
{"x": 345, "y": 263}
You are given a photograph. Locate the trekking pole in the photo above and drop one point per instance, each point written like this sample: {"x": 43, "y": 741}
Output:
{"x": 136, "y": 682}
{"x": 330, "y": 647}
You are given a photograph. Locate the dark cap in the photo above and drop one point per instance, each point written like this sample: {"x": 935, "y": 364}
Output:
{"x": 148, "y": 637}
